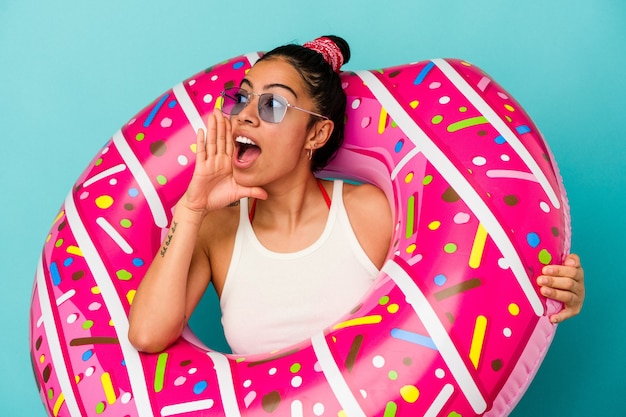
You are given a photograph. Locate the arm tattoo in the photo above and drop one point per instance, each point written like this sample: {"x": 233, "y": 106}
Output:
{"x": 168, "y": 240}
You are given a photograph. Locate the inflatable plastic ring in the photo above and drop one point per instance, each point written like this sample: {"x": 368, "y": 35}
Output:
{"x": 453, "y": 326}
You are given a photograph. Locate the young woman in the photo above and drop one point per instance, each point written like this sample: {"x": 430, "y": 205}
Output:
{"x": 271, "y": 237}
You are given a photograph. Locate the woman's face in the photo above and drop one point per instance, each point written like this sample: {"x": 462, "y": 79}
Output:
{"x": 265, "y": 152}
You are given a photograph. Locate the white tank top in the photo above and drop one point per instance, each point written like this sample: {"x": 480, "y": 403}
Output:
{"x": 272, "y": 300}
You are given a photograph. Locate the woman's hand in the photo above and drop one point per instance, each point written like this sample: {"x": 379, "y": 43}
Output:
{"x": 213, "y": 185}
{"x": 564, "y": 283}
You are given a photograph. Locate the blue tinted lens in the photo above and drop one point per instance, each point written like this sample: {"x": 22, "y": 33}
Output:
{"x": 272, "y": 108}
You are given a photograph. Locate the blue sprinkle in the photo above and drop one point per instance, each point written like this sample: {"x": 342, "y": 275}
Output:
{"x": 172, "y": 104}
{"x": 199, "y": 387}
{"x": 500, "y": 140}
{"x": 154, "y": 111}
{"x": 399, "y": 145}
{"x": 54, "y": 271}
{"x": 522, "y": 129}
{"x": 68, "y": 261}
{"x": 133, "y": 192}
{"x": 414, "y": 338}
{"x": 423, "y": 73}
{"x": 87, "y": 355}
{"x": 238, "y": 64}
{"x": 123, "y": 362}
{"x": 440, "y": 279}
{"x": 138, "y": 262}
{"x": 533, "y": 239}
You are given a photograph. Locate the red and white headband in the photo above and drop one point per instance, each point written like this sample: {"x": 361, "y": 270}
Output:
{"x": 329, "y": 50}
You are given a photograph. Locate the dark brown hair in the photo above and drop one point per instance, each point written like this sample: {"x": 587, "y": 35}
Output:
{"x": 323, "y": 85}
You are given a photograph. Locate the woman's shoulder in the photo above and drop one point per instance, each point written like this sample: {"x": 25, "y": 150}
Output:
{"x": 359, "y": 194}
{"x": 370, "y": 215}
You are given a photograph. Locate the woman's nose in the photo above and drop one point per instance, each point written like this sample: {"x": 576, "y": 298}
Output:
{"x": 250, "y": 113}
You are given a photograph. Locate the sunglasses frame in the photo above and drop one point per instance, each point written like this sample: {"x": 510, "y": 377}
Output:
{"x": 247, "y": 94}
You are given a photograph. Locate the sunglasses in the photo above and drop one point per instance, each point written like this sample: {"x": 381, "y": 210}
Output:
{"x": 272, "y": 107}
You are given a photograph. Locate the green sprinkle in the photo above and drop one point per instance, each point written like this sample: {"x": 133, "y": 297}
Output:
{"x": 391, "y": 409}
{"x": 450, "y": 248}
{"x": 123, "y": 275}
{"x": 544, "y": 257}
{"x": 159, "y": 374}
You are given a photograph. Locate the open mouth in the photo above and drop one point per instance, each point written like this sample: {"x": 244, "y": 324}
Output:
{"x": 246, "y": 150}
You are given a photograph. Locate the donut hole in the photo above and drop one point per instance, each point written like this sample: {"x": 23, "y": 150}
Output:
{"x": 206, "y": 324}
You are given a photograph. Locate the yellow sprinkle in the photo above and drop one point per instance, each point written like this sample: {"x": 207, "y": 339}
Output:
{"x": 374, "y": 319}
{"x": 382, "y": 120}
{"x": 130, "y": 296}
{"x": 74, "y": 250}
{"x": 408, "y": 178}
{"x": 409, "y": 393}
{"x": 513, "y": 309}
{"x": 42, "y": 358}
{"x": 57, "y": 405}
{"x": 509, "y": 107}
{"x": 219, "y": 102}
{"x": 342, "y": 413}
{"x": 193, "y": 147}
{"x": 95, "y": 290}
{"x": 107, "y": 385}
{"x": 77, "y": 378}
{"x": 393, "y": 308}
{"x": 478, "y": 339}
{"x": 434, "y": 225}
{"x": 56, "y": 219}
{"x": 414, "y": 104}
{"x": 411, "y": 248}
{"x": 104, "y": 201}
{"x": 478, "y": 247}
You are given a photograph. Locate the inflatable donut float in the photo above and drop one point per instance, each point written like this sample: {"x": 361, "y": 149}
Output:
{"x": 453, "y": 326}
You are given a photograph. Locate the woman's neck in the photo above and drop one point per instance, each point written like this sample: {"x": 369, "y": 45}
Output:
{"x": 290, "y": 203}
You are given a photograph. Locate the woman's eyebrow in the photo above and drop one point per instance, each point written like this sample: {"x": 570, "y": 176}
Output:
{"x": 268, "y": 86}
{"x": 286, "y": 87}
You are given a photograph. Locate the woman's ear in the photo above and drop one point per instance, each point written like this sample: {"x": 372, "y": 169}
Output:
{"x": 320, "y": 133}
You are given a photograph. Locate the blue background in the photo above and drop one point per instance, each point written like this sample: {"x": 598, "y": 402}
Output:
{"x": 72, "y": 73}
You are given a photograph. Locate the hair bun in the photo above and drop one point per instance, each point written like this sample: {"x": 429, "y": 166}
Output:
{"x": 334, "y": 49}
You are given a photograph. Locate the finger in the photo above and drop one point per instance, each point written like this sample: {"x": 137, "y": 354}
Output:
{"x": 561, "y": 271}
{"x": 562, "y": 315}
{"x": 572, "y": 260}
{"x": 211, "y": 137}
{"x": 200, "y": 150}
{"x": 221, "y": 131}
{"x": 255, "y": 192}
{"x": 565, "y": 296}
{"x": 560, "y": 283}
{"x": 230, "y": 146}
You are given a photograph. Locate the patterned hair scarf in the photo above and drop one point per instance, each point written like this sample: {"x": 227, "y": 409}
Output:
{"x": 329, "y": 50}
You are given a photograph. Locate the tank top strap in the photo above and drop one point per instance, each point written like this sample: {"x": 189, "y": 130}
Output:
{"x": 324, "y": 192}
